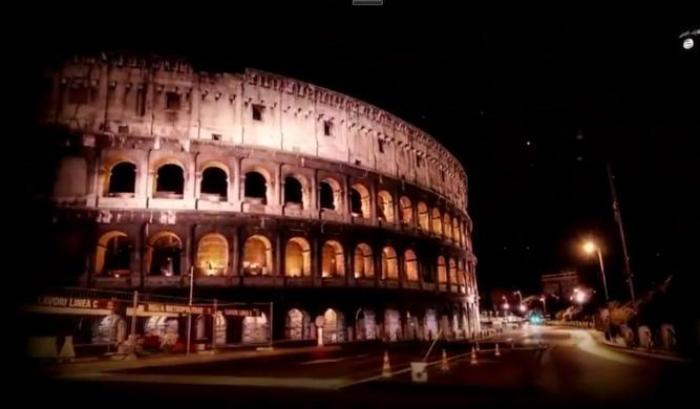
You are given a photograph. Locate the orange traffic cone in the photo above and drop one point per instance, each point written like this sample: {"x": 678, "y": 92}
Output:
{"x": 472, "y": 359}
{"x": 386, "y": 367}
{"x": 498, "y": 350}
{"x": 444, "y": 366}
{"x": 477, "y": 346}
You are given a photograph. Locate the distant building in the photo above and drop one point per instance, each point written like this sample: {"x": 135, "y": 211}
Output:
{"x": 562, "y": 284}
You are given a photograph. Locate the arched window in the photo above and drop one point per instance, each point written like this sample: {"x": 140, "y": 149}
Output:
{"x": 456, "y": 236}
{"x": 423, "y": 217}
{"x": 257, "y": 256}
{"x": 122, "y": 179}
{"x": 297, "y": 258}
{"x": 441, "y": 270}
{"x": 359, "y": 200}
{"x": 163, "y": 253}
{"x": 385, "y": 206}
{"x": 256, "y": 187}
{"x": 214, "y": 183}
{"x": 390, "y": 266}
{"x": 410, "y": 265}
{"x": 113, "y": 255}
{"x": 453, "y": 271}
{"x": 461, "y": 275}
{"x": 437, "y": 221}
{"x": 332, "y": 260}
{"x": 364, "y": 263}
{"x": 212, "y": 255}
{"x": 447, "y": 225}
{"x": 327, "y": 196}
{"x": 293, "y": 191}
{"x": 170, "y": 181}
{"x": 406, "y": 210}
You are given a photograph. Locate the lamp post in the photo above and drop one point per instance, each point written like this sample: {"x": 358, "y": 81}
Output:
{"x": 590, "y": 247}
{"x": 543, "y": 299}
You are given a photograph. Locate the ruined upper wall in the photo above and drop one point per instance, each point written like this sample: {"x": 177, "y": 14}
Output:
{"x": 167, "y": 98}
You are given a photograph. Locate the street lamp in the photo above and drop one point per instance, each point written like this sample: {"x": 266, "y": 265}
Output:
{"x": 543, "y": 299}
{"x": 522, "y": 308}
{"x": 590, "y": 247}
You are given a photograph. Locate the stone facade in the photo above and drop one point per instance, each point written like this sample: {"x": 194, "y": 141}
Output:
{"x": 269, "y": 189}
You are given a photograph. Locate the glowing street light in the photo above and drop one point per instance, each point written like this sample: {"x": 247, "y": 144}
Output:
{"x": 590, "y": 247}
{"x": 522, "y": 308}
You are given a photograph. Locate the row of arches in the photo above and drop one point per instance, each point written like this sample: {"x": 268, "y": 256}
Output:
{"x": 169, "y": 182}
{"x": 164, "y": 257}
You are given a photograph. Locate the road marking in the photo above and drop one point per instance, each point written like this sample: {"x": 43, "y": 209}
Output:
{"x": 323, "y": 361}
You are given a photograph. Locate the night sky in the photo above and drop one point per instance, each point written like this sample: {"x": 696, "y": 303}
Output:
{"x": 532, "y": 106}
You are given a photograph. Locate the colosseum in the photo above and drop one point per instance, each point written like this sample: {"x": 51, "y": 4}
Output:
{"x": 351, "y": 222}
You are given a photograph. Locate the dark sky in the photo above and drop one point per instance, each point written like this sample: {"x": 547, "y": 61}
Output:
{"x": 532, "y": 105}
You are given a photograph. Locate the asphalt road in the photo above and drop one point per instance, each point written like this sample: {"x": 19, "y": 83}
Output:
{"x": 550, "y": 367}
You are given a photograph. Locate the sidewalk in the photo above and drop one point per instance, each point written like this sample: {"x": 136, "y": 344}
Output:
{"x": 653, "y": 353}
{"x": 73, "y": 368}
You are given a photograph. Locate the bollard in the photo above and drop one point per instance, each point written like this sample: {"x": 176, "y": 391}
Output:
{"x": 498, "y": 351}
{"x": 472, "y": 359}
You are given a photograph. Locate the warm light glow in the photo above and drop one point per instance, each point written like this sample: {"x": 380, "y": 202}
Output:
{"x": 523, "y": 308}
{"x": 506, "y": 306}
{"x": 589, "y": 247}
{"x": 580, "y": 297}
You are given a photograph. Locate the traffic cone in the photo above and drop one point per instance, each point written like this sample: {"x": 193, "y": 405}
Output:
{"x": 498, "y": 350}
{"x": 472, "y": 359}
{"x": 386, "y": 367}
{"x": 445, "y": 366}
{"x": 477, "y": 346}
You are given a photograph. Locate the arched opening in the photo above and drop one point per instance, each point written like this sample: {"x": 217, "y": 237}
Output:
{"x": 113, "y": 255}
{"x": 359, "y": 200}
{"x": 214, "y": 183}
{"x": 297, "y": 325}
{"x": 122, "y": 179}
{"x": 392, "y": 325}
{"x": 366, "y": 324}
{"x": 385, "y": 206}
{"x": 333, "y": 327}
{"x": 257, "y": 256}
{"x": 297, "y": 258}
{"x": 461, "y": 276}
{"x": 364, "y": 263}
{"x": 163, "y": 253}
{"x": 456, "y": 236}
{"x": 447, "y": 222}
{"x": 255, "y": 187}
{"x": 170, "y": 181}
{"x": 212, "y": 255}
{"x": 332, "y": 260}
{"x": 293, "y": 191}
{"x": 410, "y": 263}
{"x": 406, "y": 210}
{"x": 453, "y": 271}
{"x": 390, "y": 269}
{"x": 441, "y": 270}
{"x": 423, "y": 217}
{"x": 327, "y": 197}
{"x": 437, "y": 221}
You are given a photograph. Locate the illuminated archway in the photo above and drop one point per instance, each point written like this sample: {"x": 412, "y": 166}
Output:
{"x": 437, "y": 221}
{"x": 364, "y": 263}
{"x": 257, "y": 256}
{"x": 113, "y": 254}
{"x": 406, "y": 210}
{"x": 212, "y": 255}
{"x": 359, "y": 200}
{"x": 297, "y": 258}
{"x": 441, "y": 270}
{"x": 163, "y": 254}
{"x": 333, "y": 326}
{"x": 410, "y": 263}
{"x": 456, "y": 236}
{"x": 447, "y": 223}
{"x": 390, "y": 263}
{"x": 423, "y": 217}
{"x": 385, "y": 206}
{"x": 332, "y": 260}
{"x": 297, "y": 325}
{"x": 453, "y": 271}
